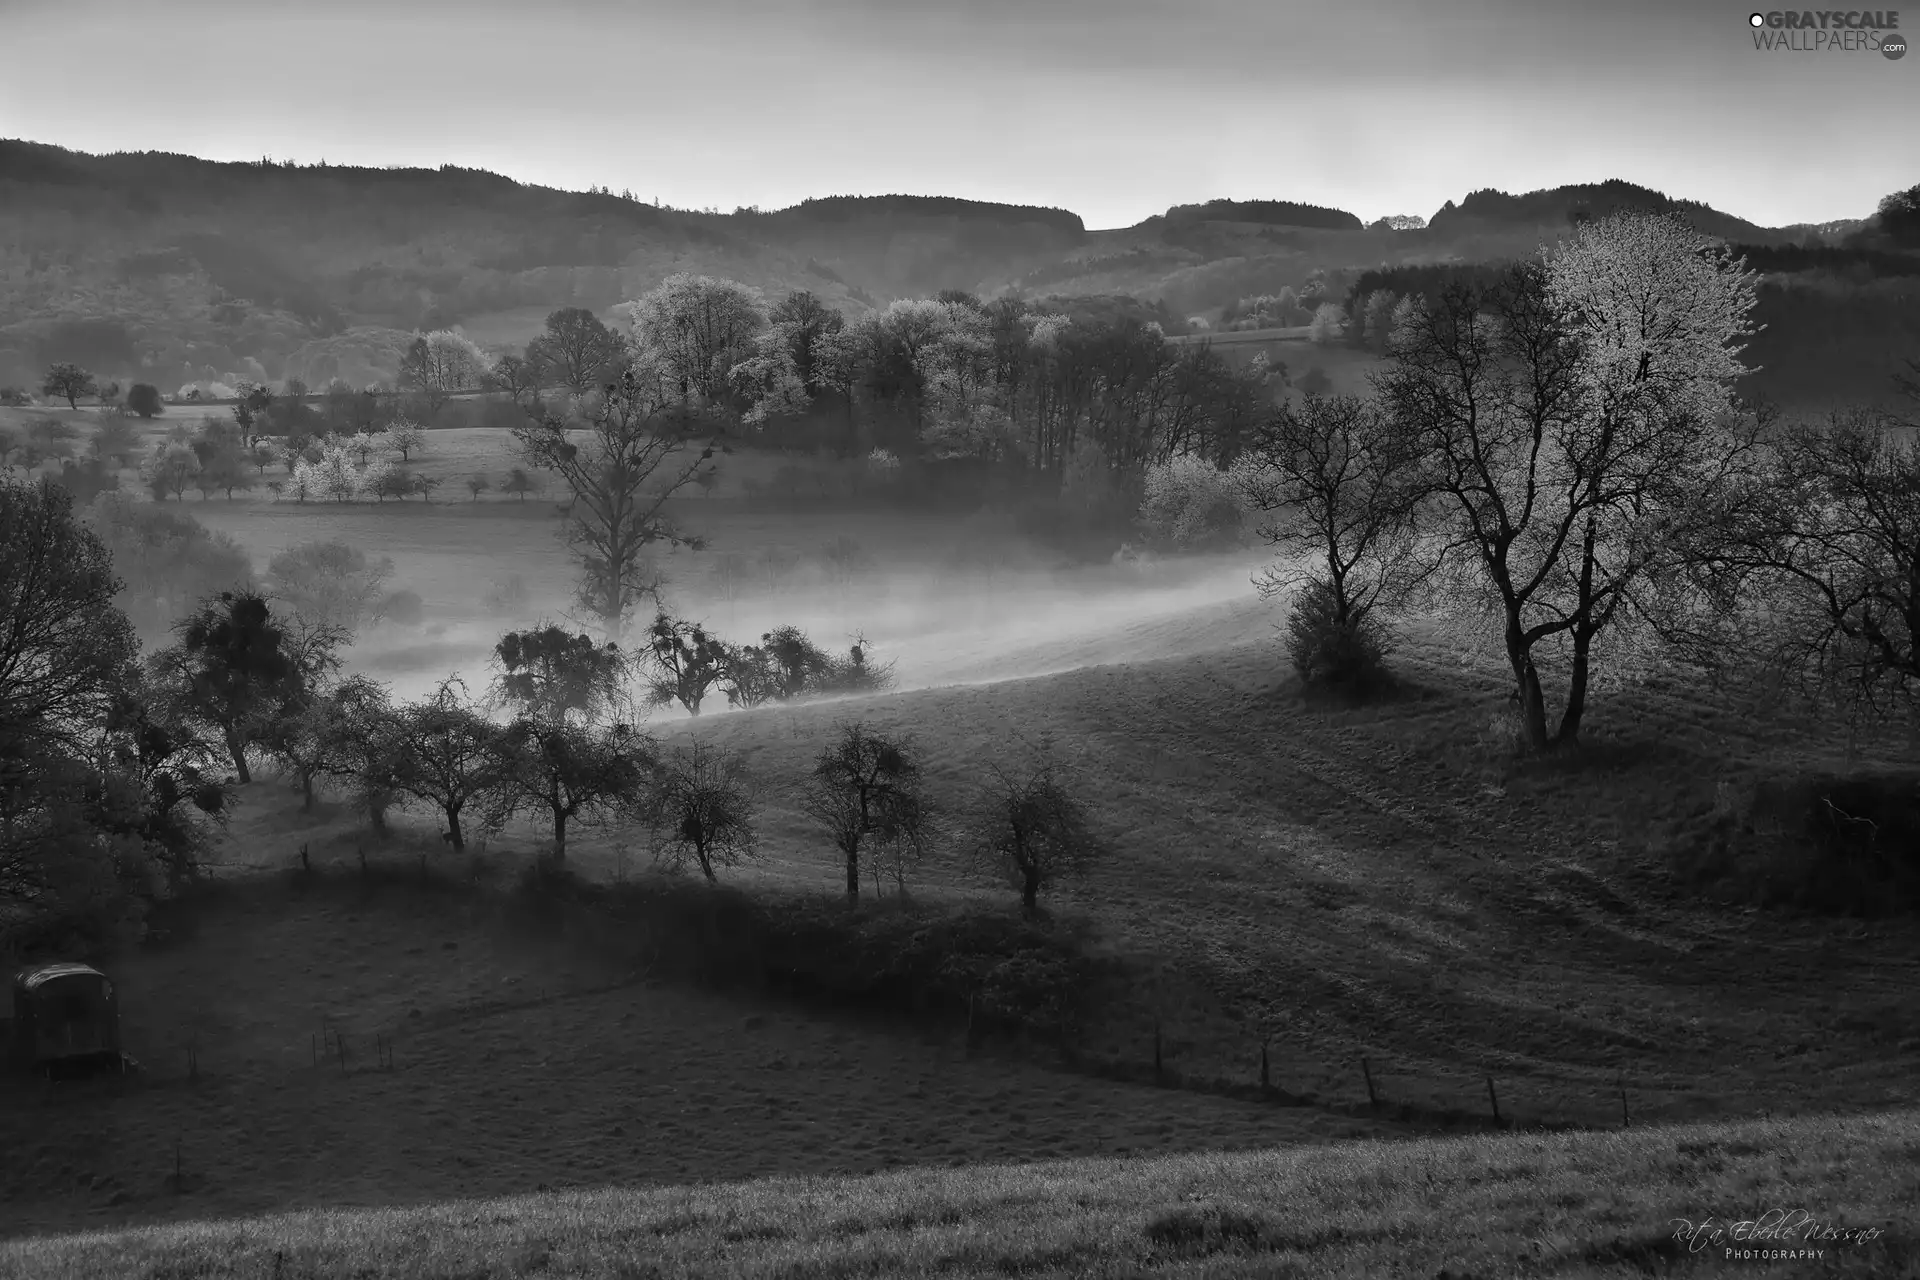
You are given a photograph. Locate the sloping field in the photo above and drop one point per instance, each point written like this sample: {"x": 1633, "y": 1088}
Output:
{"x": 1805, "y": 1198}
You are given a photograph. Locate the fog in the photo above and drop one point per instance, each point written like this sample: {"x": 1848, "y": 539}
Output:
{"x": 937, "y": 627}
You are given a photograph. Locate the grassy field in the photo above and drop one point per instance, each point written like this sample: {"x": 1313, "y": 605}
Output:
{"x": 1387, "y": 884}
{"x": 1838, "y": 1195}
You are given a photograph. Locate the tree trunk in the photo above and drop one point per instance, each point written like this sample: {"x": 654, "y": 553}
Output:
{"x": 306, "y": 790}
{"x": 1030, "y": 892}
{"x": 1533, "y": 707}
{"x": 853, "y": 875}
{"x": 453, "y": 828}
{"x": 238, "y": 750}
{"x": 559, "y": 834}
{"x": 1576, "y": 690}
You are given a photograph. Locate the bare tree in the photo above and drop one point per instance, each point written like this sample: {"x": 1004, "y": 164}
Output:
{"x": 1338, "y": 481}
{"x": 866, "y": 790}
{"x": 570, "y": 773}
{"x": 444, "y": 751}
{"x": 620, "y": 478}
{"x": 1031, "y": 827}
{"x": 1808, "y": 572}
{"x": 702, "y": 810}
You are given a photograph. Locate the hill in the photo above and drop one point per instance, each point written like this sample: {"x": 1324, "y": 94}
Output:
{"x": 170, "y": 269}
{"x": 1649, "y": 1201}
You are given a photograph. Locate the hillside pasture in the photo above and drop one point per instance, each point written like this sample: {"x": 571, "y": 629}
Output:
{"x": 1577, "y": 1207}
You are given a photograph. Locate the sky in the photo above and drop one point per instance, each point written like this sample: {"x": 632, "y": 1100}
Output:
{"x": 1115, "y": 109}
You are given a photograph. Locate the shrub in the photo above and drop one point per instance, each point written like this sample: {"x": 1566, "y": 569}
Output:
{"x": 1329, "y": 650}
{"x": 1837, "y": 844}
{"x": 1191, "y": 504}
{"x": 144, "y": 399}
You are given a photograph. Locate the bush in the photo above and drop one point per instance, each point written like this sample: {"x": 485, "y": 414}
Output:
{"x": 144, "y": 399}
{"x": 1022, "y": 974}
{"x": 1190, "y": 504}
{"x": 1330, "y": 651}
{"x": 1830, "y": 843}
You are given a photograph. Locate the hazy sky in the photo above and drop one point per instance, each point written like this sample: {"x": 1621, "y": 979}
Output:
{"x": 1112, "y": 108}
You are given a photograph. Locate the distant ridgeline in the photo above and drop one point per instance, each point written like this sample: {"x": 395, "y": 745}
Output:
{"x": 1562, "y": 205}
{"x": 851, "y": 208}
{"x": 1273, "y": 213}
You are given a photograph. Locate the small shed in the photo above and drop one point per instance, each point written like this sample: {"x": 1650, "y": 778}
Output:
{"x": 64, "y": 1016}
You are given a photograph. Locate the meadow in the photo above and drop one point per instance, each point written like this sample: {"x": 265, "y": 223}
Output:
{"x": 1828, "y": 1197}
{"x": 1385, "y": 885}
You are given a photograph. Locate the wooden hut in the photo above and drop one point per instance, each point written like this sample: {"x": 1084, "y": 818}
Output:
{"x": 65, "y": 1017}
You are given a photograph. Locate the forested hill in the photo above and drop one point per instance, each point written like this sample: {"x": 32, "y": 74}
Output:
{"x": 172, "y": 268}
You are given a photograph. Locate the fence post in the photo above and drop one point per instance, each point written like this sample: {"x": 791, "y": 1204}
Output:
{"x": 1366, "y": 1069}
{"x": 1159, "y": 1070}
{"x": 1626, "y": 1121}
{"x": 1266, "y": 1081}
{"x": 1493, "y": 1098}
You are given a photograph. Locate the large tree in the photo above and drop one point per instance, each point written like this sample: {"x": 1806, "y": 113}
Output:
{"x": 576, "y": 351}
{"x": 64, "y": 645}
{"x": 237, "y": 668}
{"x": 619, "y": 476}
{"x": 698, "y": 328}
{"x": 439, "y": 365}
{"x": 69, "y": 382}
{"x": 1571, "y": 416}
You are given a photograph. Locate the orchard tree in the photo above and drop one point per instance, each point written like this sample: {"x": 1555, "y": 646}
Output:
{"x": 236, "y": 668}
{"x": 702, "y": 810}
{"x": 571, "y": 773}
{"x": 406, "y": 438}
{"x": 619, "y": 479}
{"x": 329, "y": 583}
{"x": 1573, "y": 417}
{"x": 553, "y": 676}
{"x": 519, "y": 482}
{"x": 867, "y": 792}
{"x": 69, "y": 382}
{"x": 1031, "y": 827}
{"x": 323, "y": 734}
{"x": 685, "y": 662}
{"x": 444, "y": 751}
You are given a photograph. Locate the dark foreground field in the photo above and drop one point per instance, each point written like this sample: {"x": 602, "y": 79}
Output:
{"x": 1812, "y": 1197}
{"x": 1381, "y": 885}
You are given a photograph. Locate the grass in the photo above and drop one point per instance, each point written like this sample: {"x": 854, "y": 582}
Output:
{"x": 1648, "y": 1201}
{"x": 1340, "y": 883}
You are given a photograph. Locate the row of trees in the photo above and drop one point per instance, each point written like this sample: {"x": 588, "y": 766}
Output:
{"x": 117, "y": 769}
{"x": 1560, "y": 453}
